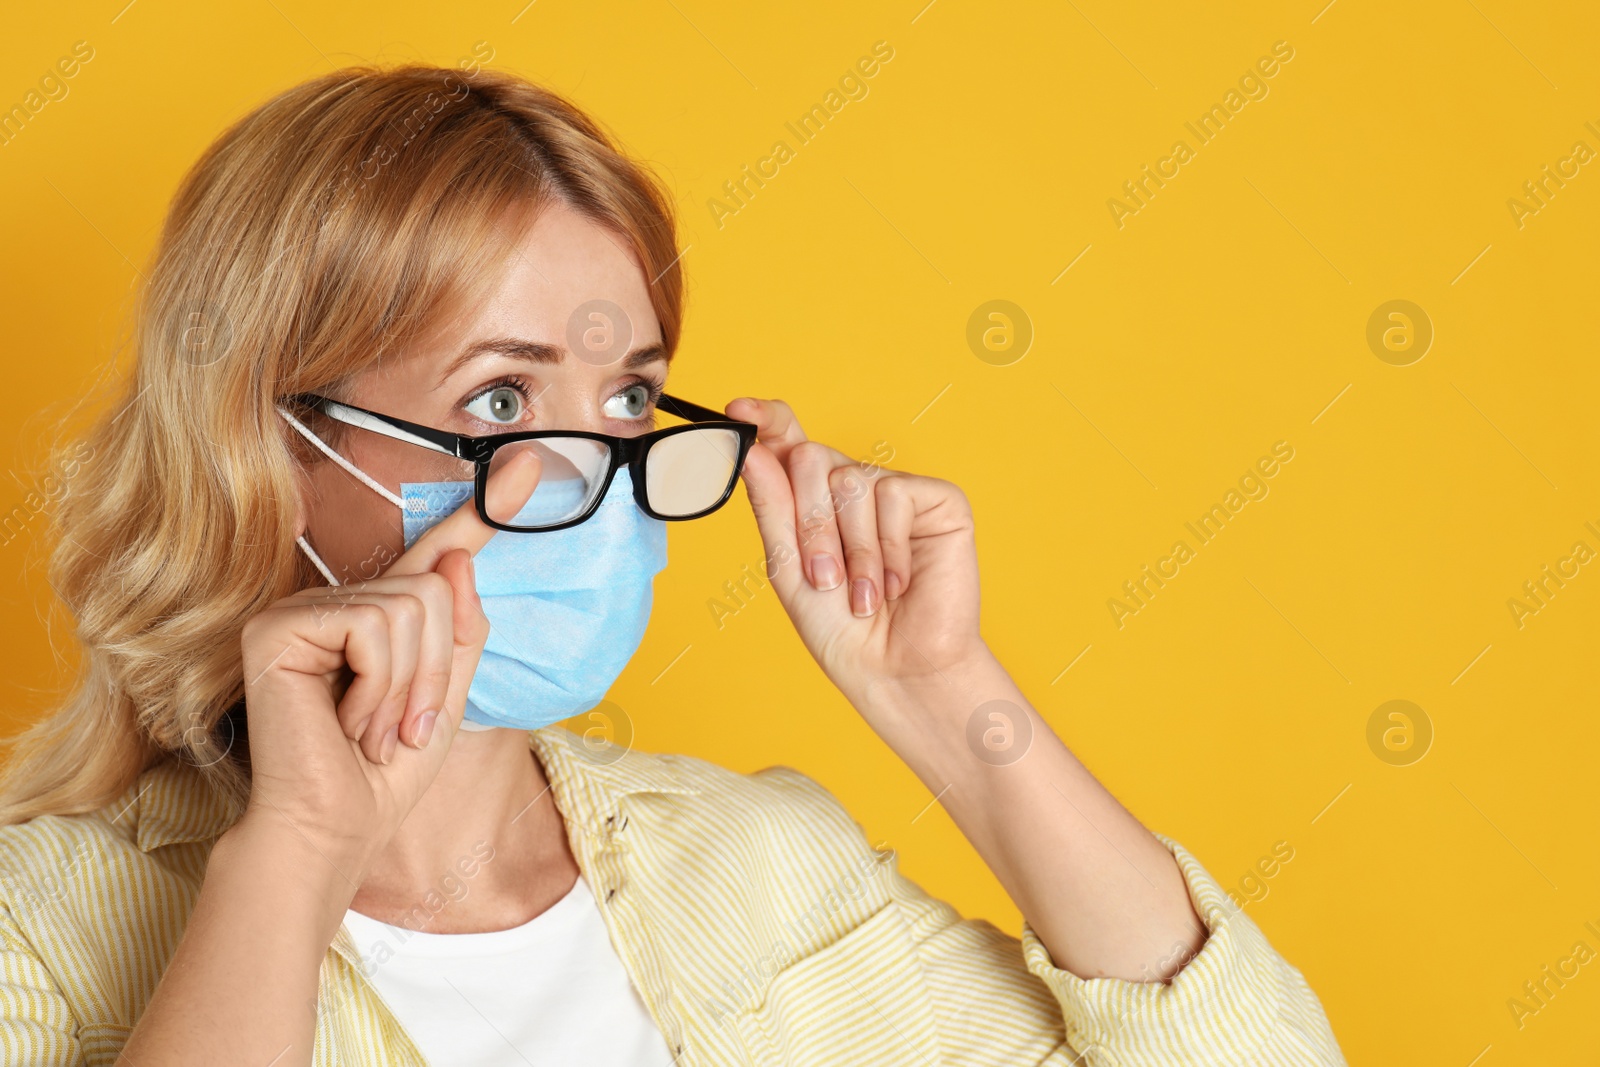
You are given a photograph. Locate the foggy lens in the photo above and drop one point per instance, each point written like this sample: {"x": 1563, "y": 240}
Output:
{"x": 573, "y": 470}
{"x": 686, "y": 473}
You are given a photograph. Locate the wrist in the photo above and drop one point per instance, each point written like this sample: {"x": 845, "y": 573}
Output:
{"x": 936, "y": 692}
{"x": 929, "y": 719}
{"x": 266, "y": 846}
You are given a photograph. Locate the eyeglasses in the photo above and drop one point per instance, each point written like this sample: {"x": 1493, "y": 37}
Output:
{"x": 678, "y": 472}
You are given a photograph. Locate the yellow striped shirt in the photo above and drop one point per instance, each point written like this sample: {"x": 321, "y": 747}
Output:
{"x": 756, "y": 920}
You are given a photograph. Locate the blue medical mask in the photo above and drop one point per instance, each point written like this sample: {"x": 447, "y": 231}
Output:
{"x": 567, "y": 608}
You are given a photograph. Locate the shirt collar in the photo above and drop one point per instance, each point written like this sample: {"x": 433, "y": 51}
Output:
{"x": 170, "y": 803}
{"x": 589, "y": 777}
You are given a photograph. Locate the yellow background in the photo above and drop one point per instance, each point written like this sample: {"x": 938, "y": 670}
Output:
{"x": 1228, "y": 314}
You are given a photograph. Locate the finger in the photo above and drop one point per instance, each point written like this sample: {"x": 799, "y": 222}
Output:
{"x": 856, "y": 513}
{"x": 778, "y": 428}
{"x": 403, "y": 617}
{"x": 821, "y": 552}
{"x": 407, "y": 621}
{"x": 368, "y": 651}
{"x": 895, "y": 509}
{"x": 430, "y": 676}
{"x": 469, "y": 630}
{"x": 430, "y": 686}
{"x": 349, "y": 647}
{"x": 766, "y": 483}
{"x": 509, "y": 489}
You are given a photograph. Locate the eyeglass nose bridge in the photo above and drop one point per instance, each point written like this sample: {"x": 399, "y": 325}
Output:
{"x": 633, "y": 453}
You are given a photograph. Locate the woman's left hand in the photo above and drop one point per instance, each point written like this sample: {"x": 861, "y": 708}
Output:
{"x": 1105, "y": 897}
{"x": 876, "y": 568}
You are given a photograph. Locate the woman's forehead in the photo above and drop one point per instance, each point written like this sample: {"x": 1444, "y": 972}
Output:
{"x": 567, "y": 285}
{"x": 560, "y": 273}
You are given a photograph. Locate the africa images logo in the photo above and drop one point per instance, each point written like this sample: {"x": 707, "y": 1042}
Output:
{"x": 1252, "y": 85}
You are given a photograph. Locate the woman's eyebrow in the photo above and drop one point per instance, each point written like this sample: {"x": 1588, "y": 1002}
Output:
{"x": 539, "y": 352}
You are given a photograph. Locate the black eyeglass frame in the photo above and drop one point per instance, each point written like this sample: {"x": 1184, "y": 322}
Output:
{"x": 632, "y": 451}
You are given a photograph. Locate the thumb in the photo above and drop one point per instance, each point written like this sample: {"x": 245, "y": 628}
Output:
{"x": 513, "y": 483}
{"x": 767, "y": 485}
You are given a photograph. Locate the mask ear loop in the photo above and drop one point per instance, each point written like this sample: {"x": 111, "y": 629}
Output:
{"x": 341, "y": 461}
{"x": 347, "y": 465}
{"x": 300, "y": 540}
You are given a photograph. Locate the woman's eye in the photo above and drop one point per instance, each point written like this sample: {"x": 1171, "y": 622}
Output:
{"x": 631, "y": 403}
{"x": 502, "y": 405}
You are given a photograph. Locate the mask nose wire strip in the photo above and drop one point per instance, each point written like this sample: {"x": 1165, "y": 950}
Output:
{"x": 341, "y": 461}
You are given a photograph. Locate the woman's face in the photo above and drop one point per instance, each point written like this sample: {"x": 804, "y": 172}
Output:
{"x": 509, "y": 365}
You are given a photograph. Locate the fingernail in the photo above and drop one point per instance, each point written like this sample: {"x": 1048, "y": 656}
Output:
{"x": 361, "y": 727}
{"x": 891, "y": 585}
{"x": 824, "y": 571}
{"x": 862, "y": 595}
{"x": 424, "y": 728}
{"x": 386, "y": 746}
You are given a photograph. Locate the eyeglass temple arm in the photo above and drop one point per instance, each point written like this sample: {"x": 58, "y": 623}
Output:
{"x": 451, "y": 444}
{"x": 388, "y": 425}
{"x": 684, "y": 409}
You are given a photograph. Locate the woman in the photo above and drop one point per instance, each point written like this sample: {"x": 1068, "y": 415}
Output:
{"x": 290, "y": 816}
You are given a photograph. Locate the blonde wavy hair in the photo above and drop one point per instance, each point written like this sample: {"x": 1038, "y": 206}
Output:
{"x": 326, "y": 230}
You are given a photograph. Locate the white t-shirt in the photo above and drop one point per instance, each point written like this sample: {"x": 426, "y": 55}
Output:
{"x": 551, "y": 991}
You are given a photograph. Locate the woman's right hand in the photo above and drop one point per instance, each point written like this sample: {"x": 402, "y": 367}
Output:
{"x": 344, "y": 765}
